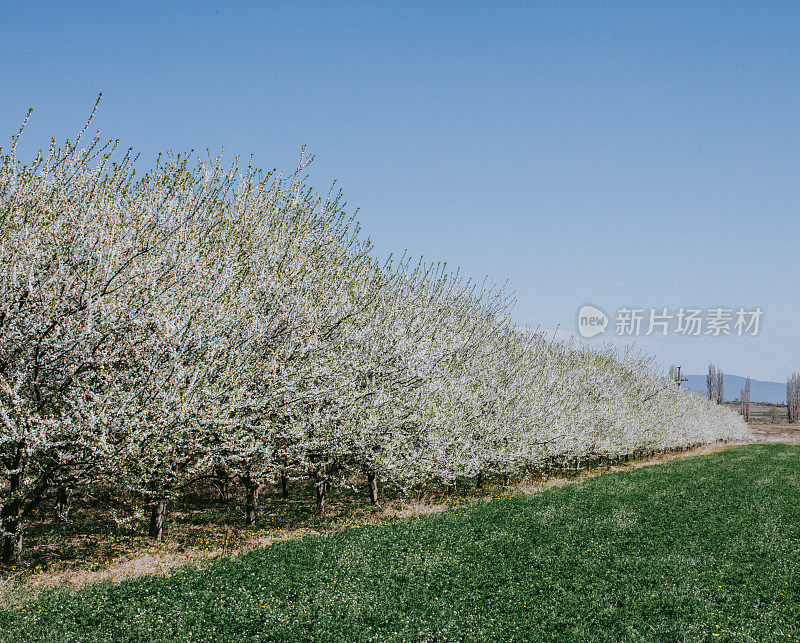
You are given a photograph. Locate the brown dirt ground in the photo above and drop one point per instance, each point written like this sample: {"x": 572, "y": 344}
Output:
{"x": 765, "y": 431}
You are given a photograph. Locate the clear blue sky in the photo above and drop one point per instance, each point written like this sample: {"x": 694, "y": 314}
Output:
{"x": 640, "y": 154}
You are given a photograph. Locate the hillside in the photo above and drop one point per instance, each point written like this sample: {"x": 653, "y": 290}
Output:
{"x": 760, "y": 391}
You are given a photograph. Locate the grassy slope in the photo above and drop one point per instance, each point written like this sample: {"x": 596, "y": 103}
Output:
{"x": 680, "y": 551}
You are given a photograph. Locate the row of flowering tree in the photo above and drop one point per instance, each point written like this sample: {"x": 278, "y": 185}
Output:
{"x": 203, "y": 321}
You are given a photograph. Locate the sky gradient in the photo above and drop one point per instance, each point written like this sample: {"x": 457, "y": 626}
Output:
{"x": 615, "y": 154}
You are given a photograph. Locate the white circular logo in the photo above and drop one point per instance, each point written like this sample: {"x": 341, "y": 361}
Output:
{"x": 591, "y": 321}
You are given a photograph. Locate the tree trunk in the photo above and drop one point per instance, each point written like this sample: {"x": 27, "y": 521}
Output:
{"x": 9, "y": 521}
{"x": 506, "y": 480}
{"x": 62, "y": 504}
{"x": 223, "y": 484}
{"x": 252, "y": 502}
{"x": 284, "y": 487}
{"x": 479, "y": 480}
{"x": 322, "y": 494}
{"x": 12, "y": 544}
{"x": 10, "y": 514}
{"x": 372, "y": 482}
{"x": 157, "y": 512}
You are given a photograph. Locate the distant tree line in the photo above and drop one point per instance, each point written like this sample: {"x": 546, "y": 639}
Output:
{"x": 745, "y": 398}
{"x": 793, "y": 397}
{"x": 715, "y": 384}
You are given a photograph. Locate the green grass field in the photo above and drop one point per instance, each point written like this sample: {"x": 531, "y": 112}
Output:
{"x": 704, "y": 548}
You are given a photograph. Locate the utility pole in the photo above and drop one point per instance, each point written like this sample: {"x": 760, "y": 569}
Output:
{"x": 681, "y": 379}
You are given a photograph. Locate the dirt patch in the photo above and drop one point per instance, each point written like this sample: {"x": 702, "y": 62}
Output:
{"x": 703, "y": 449}
{"x": 766, "y": 432}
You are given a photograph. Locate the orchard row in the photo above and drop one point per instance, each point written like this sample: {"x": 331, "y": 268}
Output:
{"x": 203, "y": 320}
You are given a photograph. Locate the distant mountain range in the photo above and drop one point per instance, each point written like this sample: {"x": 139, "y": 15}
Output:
{"x": 774, "y": 392}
